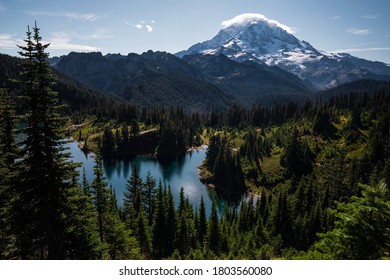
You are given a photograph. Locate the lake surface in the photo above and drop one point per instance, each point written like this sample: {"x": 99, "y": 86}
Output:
{"x": 176, "y": 173}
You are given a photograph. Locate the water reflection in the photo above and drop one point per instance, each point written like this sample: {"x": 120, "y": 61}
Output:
{"x": 178, "y": 173}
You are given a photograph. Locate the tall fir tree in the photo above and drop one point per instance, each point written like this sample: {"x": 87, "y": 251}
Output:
{"x": 171, "y": 223}
{"x": 202, "y": 228}
{"x": 159, "y": 225}
{"x": 119, "y": 243}
{"x": 150, "y": 195}
{"x": 133, "y": 197}
{"x": 45, "y": 194}
{"x": 214, "y": 231}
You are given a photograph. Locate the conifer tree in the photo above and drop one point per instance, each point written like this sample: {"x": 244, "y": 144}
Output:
{"x": 133, "y": 196}
{"x": 85, "y": 185}
{"x": 8, "y": 154}
{"x": 361, "y": 229}
{"x": 45, "y": 194}
{"x": 117, "y": 240}
{"x": 8, "y": 147}
{"x": 108, "y": 143}
{"x": 297, "y": 157}
{"x": 150, "y": 195}
{"x": 186, "y": 233}
{"x": 202, "y": 229}
{"x": 143, "y": 235}
{"x": 100, "y": 197}
{"x": 214, "y": 231}
{"x": 171, "y": 223}
{"x": 159, "y": 237}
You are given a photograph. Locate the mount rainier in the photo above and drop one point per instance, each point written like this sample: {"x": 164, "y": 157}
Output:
{"x": 256, "y": 38}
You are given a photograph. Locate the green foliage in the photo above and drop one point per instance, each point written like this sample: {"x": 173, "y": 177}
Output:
{"x": 118, "y": 241}
{"x": 172, "y": 142}
{"x": 297, "y": 157}
{"x": 214, "y": 231}
{"x": 225, "y": 166}
{"x": 322, "y": 124}
{"x": 107, "y": 143}
{"x": 8, "y": 154}
{"x": 362, "y": 228}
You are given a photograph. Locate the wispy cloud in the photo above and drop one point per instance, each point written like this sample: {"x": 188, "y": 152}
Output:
{"x": 375, "y": 16}
{"x": 85, "y": 17}
{"x": 357, "y": 31}
{"x": 9, "y": 41}
{"x": 336, "y": 17}
{"x": 366, "y": 44}
{"x": 360, "y": 50}
{"x": 73, "y": 16}
{"x": 58, "y": 41}
{"x": 95, "y": 35}
{"x": 62, "y": 41}
{"x": 149, "y": 28}
{"x": 143, "y": 25}
{"x": 2, "y": 8}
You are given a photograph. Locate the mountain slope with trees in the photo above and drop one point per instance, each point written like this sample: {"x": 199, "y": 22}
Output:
{"x": 253, "y": 83}
{"x": 81, "y": 99}
{"x": 151, "y": 79}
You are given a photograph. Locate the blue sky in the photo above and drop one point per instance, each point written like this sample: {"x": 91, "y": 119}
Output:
{"x": 359, "y": 27}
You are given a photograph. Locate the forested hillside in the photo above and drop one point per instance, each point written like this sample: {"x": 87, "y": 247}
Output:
{"x": 153, "y": 79}
{"x": 81, "y": 99}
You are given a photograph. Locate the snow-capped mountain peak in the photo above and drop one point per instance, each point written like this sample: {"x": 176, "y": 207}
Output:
{"x": 250, "y": 18}
{"x": 255, "y": 37}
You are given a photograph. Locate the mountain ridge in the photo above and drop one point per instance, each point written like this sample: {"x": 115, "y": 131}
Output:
{"x": 256, "y": 83}
{"x": 164, "y": 79}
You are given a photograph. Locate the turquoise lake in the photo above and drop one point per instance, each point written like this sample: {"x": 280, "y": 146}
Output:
{"x": 176, "y": 173}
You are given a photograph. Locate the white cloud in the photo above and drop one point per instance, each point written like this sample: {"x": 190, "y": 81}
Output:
{"x": 366, "y": 44}
{"x": 83, "y": 17}
{"x": 62, "y": 41}
{"x": 9, "y": 41}
{"x": 149, "y": 28}
{"x": 336, "y": 17}
{"x": 248, "y": 18}
{"x": 76, "y": 16}
{"x": 96, "y": 35}
{"x": 357, "y": 31}
{"x": 360, "y": 50}
{"x": 144, "y": 24}
{"x": 58, "y": 41}
{"x": 376, "y": 16}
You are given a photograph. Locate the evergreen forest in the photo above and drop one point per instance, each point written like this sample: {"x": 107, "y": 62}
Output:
{"x": 317, "y": 174}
